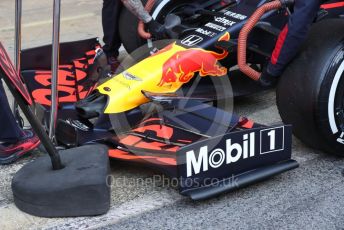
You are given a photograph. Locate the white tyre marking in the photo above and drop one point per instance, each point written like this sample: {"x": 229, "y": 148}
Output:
{"x": 333, "y": 90}
{"x": 159, "y": 8}
{"x": 340, "y": 139}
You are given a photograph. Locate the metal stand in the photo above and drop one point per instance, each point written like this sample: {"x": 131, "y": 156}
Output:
{"x": 17, "y": 47}
{"x": 45, "y": 187}
{"x": 54, "y": 67}
{"x": 17, "y": 54}
{"x": 54, "y": 64}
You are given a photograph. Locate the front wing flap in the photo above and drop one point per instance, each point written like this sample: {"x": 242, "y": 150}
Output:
{"x": 234, "y": 160}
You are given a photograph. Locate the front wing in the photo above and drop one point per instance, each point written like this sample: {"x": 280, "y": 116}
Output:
{"x": 207, "y": 165}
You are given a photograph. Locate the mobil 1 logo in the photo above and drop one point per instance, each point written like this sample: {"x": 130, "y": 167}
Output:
{"x": 235, "y": 152}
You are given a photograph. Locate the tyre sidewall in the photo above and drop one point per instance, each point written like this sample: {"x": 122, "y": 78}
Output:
{"x": 323, "y": 119}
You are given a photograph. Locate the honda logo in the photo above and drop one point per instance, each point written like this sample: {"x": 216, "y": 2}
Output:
{"x": 192, "y": 40}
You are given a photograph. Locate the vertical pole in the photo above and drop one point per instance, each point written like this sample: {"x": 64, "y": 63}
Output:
{"x": 55, "y": 65}
{"x": 17, "y": 51}
{"x": 17, "y": 47}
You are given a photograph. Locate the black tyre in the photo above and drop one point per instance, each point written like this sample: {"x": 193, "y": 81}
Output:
{"x": 310, "y": 94}
{"x": 128, "y": 24}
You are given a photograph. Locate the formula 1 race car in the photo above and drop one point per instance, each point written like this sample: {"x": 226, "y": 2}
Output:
{"x": 170, "y": 106}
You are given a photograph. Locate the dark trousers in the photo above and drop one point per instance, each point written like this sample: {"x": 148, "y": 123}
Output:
{"x": 293, "y": 35}
{"x": 110, "y": 17}
{"x": 9, "y": 129}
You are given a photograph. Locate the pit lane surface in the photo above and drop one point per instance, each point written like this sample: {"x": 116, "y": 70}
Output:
{"x": 310, "y": 197}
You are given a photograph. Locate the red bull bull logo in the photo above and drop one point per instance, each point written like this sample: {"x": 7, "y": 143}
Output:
{"x": 183, "y": 65}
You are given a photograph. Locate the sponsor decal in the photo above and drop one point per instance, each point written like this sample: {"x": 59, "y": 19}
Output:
{"x": 192, "y": 40}
{"x": 224, "y": 21}
{"x": 206, "y": 32}
{"x": 270, "y": 136}
{"x": 121, "y": 82}
{"x": 203, "y": 159}
{"x": 215, "y": 27}
{"x": 130, "y": 76}
{"x": 235, "y": 15}
{"x": 216, "y": 158}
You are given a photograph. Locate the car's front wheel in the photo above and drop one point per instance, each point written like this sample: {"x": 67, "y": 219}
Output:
{"x": 310, "y": 94}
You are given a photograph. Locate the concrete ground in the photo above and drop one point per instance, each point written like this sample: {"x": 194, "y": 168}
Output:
{"x": 310, "y": 197}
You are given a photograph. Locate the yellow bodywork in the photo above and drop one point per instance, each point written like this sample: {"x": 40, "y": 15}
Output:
{"x": 125, "y": 89}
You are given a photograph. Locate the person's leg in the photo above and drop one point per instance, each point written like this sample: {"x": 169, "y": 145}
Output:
{"x": 14, "y": 142}
{"x": 110, "y": 17}
{"x": 9, "y": 129}
{"x": 293, "y": 35}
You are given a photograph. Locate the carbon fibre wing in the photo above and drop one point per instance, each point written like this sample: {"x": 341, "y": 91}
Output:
{"x": 208, "y": 150}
